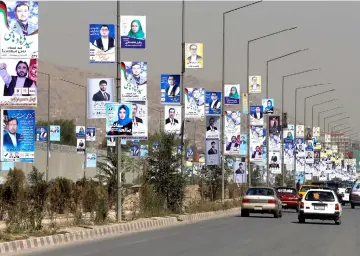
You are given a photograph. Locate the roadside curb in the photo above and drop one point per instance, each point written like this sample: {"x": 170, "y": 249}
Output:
{"x": 47, "y": 241}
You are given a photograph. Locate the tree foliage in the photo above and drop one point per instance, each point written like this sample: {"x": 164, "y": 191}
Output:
{"x": 67, "y": 130}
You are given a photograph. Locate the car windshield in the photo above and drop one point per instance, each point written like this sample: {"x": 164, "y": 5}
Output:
{"x": 347, "y": 190}
{"x": 286, "y": 190}
{"x": 306, "y": 188}
{"x": 324, "y": 196}
{"x": 260, "y": 192}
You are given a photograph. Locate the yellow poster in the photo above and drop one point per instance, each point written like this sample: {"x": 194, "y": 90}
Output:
{"x": 194, "y": 55}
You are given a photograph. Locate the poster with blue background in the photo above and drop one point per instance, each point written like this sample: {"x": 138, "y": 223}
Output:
{"x": 102, "y": 43}
{"x": 7, "y": 166}
{"x": 55, "y": 132}
{"x": 133, "y": 31}
{"x": 213, "y": 103}
{"x": 41, "y": 133}
{"x": 18, "y": 137}
{"x": 90, "y": 160}
{"x": 243, "y": 144}
{"x": 155, "y": 145}
{"x": 170, "y": 89}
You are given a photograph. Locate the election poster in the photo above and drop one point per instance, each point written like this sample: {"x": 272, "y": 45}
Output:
{"x": 55, "y": 132}
{"x": 140, "y": 120}
{"x": 170, "y": 89}
{"x": 90, "y": 160}
{"x": 194, "y": 55}
{"x": 254, "y": 84}
{"x": 256, "y": 115}
{"x": 99, "y": 92}
{"x": 80, "y": 146}
{"x": 213, "y": 103}
{"x": 18, "y": 82}
{"x": 119, "y": 120}
{"x": 19, "y": 41}
{"x": 212, "y": 152}
{"x": 172, "y": 119}
{"x": 133, "y": 32}
{"x": 257, "y": 139}
{"x": 80, "y": 132}
{"x": 102, "y": 43}
{"x": 239, "y": 169}
{"x": 245, "y": 103}
{"x": 41, "y": 133}
{"x": 213, "y": 127}
{"x": 90, "y": 133}
{"x": 17, "y": 135}
{"x": 232, "y": 129}
{"x": 243, "y": 144}
{"x": 194, "y": 103}
{"x": 133, "y": 81}
{"x": 232, "y": 94}
{"x": 268, "y": 106}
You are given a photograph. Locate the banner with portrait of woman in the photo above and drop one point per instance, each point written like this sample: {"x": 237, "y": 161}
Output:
{"x": 119, "y": 120}
{"x": 232, "y": 94}
{"x": 133, "y": 32}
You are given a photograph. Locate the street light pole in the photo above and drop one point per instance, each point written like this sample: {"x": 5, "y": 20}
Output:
{"x": 247, "y": 88}
{"x": 326, "y": 111}
{"x": 222, "y": 86}
{"x": 313, "y": 107}
{"x": 333, "y": 128}
{"x": 336, "y": 120}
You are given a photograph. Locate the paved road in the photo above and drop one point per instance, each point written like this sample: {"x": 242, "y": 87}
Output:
{"x": 254, "y": 236}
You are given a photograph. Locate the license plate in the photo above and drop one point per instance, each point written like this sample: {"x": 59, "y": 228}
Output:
{"x": 257, "y": 208}
{"x": 319, "y": 207}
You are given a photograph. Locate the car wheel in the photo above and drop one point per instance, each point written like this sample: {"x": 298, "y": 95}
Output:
{"x": 338, "y": 222}
{"x": 301, "y": 220}
{"x": 352, "y": 206}
{"x": 245, "y": 213}
{"x": 280, "y": 214}
{"x": 276, "y": 214}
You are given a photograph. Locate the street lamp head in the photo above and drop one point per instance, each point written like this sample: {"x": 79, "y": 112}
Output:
{"x": 292, "y": 28}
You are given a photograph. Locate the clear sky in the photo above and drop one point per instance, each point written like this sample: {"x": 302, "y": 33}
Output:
{"x": 324, "y": 27}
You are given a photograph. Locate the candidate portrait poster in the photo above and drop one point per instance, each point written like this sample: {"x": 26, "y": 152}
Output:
{"x": 299, "y": 131}
{"x": 256, "y": 115}
{"x": 80, "y": 146}
{"x": 119, "y": 120}
{"x": 14, "y": 91}
{"x": 90, "y": 133}
{"x": 99, "y": 92}
{"x": 41, "y": 133}
{"x": 102, "y": 43}
{"x": 194, "y": 102}
{"x": 239, "y": 169}
{"x": 111, "y": 141}
{"x": 55, "y": 132}
{"x": 170, "y": 88}
{"x": 254, "y": 84}
{"x": 90, "y": 160}
{"x": 17, "y": 135}
{"x": 212, "y": 152}
{"x": 268, "y": 106}
{"x": 172, "y": 119}
{"x": 275, "y": 162}
{"x": 80, "y": 132}
{"x": 232, "y": 94}
{"x": 133, "y": 32}
{"x": 17, "y": 41}
{"x": 133, "y": 81}
{"x": 257, "y": 138}
{"x": 140, "y": 120}
{"x": 316, "y": 131}
{"x": 213, "y": 103}
{"x": 144, "y": 150}
{"x": 213, "y": 127}
{"x": 232, "y": 122}
{"x": 194, "y": 55}
{"x": 243, "y": 144}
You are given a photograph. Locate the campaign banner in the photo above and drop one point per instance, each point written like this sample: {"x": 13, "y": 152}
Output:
{"x": 17, "y": 135}
{"x": 41, "y": 133}
{"x": 80, "y": 132}
{"x": 144, "y": 150}
{"x": 170, "y": 88}
{"x": 213, "y": 127}
{"x": 172, "y": 119}
{"x": 190, "y": 153}
{"x": 213, "y": 103}
{"x": 90, "y": 133}
{"x": 257, "y": 139}
{"x": 111, "y": 141}
{"x": 275, "y": 162}
{"x": 243, "y": 144}
{"x": 90, "y": 160}
{"x": 55, "y": 132}
{"x": 18, "y": 82}
{"x": 300, "y": 131}
{"x": 140, "y": 120}
{"x": 16, "y": 40}
{"x": 232, "y": 129}
{"x": 194, "y": 103}
{"x": 80, "y": 146}
{"x": 212, "y": 152}
{"x": 327, "y": 137}
{"x": 155, "y": 145}
{"x": 102, "y": 43}
{"x": 239, "y": 169}
{"x": 245, "y": 103}
{"x": 99, "y": 92}
{"x": 316, "y": 131}
{"x": 133, "y": 32}
{"x": 7, "y": 166}
{"x": 268, "y": 106}
{"x": 232, "y": 94}
{"x": 254, "y": 84}
{"x": 133, "y": 81}
{"x": 194, "y": 55}
{"x": 256, "y": 115}
{"x": 119, "y": 120}
{"x": 308, "y": 133}
{"x": 135, "y": 149}
{"x": 289, "y": 151}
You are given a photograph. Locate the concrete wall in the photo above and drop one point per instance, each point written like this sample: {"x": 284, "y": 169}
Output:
{"x": 63, "y": 162}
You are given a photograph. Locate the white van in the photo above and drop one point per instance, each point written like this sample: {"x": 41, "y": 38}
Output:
{"x": 355, "y": 194}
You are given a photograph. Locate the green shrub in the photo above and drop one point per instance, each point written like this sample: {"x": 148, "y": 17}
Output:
{"x": 60, "y": 192}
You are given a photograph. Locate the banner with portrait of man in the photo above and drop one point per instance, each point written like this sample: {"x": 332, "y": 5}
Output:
{"x": 170, "y": 89}
{"x": 254, "y": 84}
{"x": 172, "y": 119}
{"x": 90, "y": 133}
{"x": 194, "y": 102}
{"x": 213, "y": 128}
{"x": 41, "y": 133}
{"x": 194, "y": 55}
{"x": 316, "y": 132}
{"x": 17, "y": 135}
{"x": 133, "y": 31}
{"x": 232, "y": 129}
{"x": 119, "y": 120}
{"x": 256, "y": 115}
{"x": 80, "y": 146}
{"x": 257, "y": 139}
{"x": 102, "y": 43}
{"x": 275, "y": 162}
{"x": 213, "y": 103}
{"x": 212, "y": 152}
{"x": 140, "y": 120}
{"x": 55, "y": 133}
{"x": 300, "y": 131}
{"x": 239, "y": 169}
{"x": 243, "y": 144}
{"x": 99, "y": 92}
{"x": 18, "y": 82}
{"x": 133, "y": 81}
{"x": 19, "y": 37}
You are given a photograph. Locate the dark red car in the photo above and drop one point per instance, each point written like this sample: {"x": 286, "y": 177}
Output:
{"x": 288, "y": 197}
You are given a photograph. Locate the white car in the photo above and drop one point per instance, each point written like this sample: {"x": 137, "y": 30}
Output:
{"x": 346, "y": 196}
{"x": 320, "y": 204}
